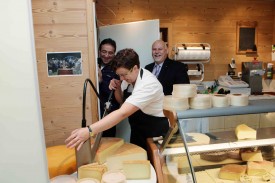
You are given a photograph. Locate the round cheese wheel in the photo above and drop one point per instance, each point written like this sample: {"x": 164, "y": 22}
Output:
{"x": 88, "y": 180}
{"x": 61, "y": 160}
{"x": 216, "y": 156}
{"x": 63, "y": 178}
{"x": 113, "y": 176}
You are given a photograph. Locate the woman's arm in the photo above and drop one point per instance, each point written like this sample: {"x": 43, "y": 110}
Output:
{"x": 79, "y": 136}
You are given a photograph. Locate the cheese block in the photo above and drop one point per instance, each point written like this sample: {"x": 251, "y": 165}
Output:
{"x": 113, "y": 176}
{"x": 252, "y": 156}
{"x": 88, "y": 180}
{"x": 258, "y": 168}
{"x": 137, "y": 169}
{"x": 245, "y": 132}
{"x": 93, "y": 170}
{"x": 232, "y": 172}
{"x": 61, "y": 160}
{"x": 126, "y": 152}
{"x": 107, "y": 147}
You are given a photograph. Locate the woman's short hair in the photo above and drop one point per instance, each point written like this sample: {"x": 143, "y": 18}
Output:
{"x": 126, "y": 58}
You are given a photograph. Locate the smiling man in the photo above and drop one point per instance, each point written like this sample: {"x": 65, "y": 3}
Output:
{"x": 167, "y": 71}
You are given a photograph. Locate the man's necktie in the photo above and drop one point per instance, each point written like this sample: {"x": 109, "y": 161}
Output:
{"x": 156, "y": 70}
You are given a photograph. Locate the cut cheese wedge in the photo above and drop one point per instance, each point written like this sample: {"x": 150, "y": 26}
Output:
{"x": 125, "y": 152}
{"x": 259, "y": 168}
{"x": 137, "y": 169}
{"x": 245, "y": 132}
{"x": 93, "y": 170}
{"x": 107, "y": 147}
{"x": 232, "y": 172}
{"x": 252, "y": 156}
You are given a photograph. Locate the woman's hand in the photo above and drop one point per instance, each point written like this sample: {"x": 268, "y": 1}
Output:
{"x": 115, "y": 84}
{"x": 77, "y": 138}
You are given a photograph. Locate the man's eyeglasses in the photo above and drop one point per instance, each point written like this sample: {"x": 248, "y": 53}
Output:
{"x": 123, "y": 75}
{"x": 105, "y": 52}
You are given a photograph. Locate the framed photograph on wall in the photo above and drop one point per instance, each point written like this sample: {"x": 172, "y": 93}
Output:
{"x": 64, "y": 63}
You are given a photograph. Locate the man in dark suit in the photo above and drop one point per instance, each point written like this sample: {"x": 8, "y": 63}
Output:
{"x": 167, "y": 71}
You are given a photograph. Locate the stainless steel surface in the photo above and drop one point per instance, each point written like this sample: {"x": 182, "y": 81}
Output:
{"x": 252, "y": 73}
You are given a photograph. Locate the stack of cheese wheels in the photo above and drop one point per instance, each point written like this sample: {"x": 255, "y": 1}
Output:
{"x": 220, "y": 100}
{"x": 200, "y": 101}
{"x": 179, "y": 98}
{"x": 172, "y": 103}
{"x": 184, "y": 90}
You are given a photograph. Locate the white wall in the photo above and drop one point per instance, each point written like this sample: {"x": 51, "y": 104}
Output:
{"x": 22, "y": 144}
{"x": 138, "y": 35}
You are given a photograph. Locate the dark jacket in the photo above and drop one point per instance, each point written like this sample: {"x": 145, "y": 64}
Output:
{"x": 107, "y": 75}
{"x": 172, "y": 72}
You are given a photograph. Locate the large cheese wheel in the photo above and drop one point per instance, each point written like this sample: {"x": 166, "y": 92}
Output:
{"x": 125, "y": 152}
{"x": 137, "y": 169}
{"x": 107, "y": 147}
{"x": 61, "y": 160}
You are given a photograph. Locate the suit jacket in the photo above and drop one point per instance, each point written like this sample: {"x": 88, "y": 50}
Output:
{"x": 172, "y": 72}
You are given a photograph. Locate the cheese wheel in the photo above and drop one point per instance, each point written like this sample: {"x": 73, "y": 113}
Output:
{"x": 174, "y": 103}
{"x": 107, "y": 147}
{"x": 126, "y": 152}
{"x": 220, "y": 100}
{"x": 232, "y": 172}
{"x": 93, "y": 170}
{"x": 184, "y": 90}
{"x": 88, "y": 180}
{"x": 137, "y": 169}
{"x": 200, "y": 101}
{"x": 63, "y": 178}
{"x": 113, "y": 176}
{"x": 61, "y": 160}
{"x": 217, "y": 156}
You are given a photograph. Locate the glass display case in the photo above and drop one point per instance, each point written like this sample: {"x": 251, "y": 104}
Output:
{"x": 197, "y": 155}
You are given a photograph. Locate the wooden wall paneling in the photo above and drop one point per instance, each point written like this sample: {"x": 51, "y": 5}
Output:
{"x": 92, "y": 57}
{"x": 61, "y": 26}
{"x": 209, "y": 21}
